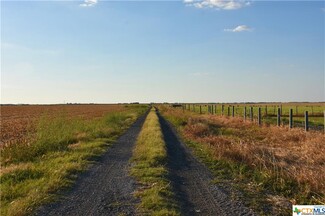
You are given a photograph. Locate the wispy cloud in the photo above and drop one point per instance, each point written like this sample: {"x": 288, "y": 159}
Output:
{"x": 89, "y": 3}
{"x": 239, "y": 28}
{"x": 218, "y": 4}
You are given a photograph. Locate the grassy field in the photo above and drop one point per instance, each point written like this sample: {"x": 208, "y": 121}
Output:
{"x": 32, "y": 173}
{"x": 19, "y": 122}
{"x": 149, "y": 168}
{"x": 273, "y": 166}
{"x": 269, "y": 112}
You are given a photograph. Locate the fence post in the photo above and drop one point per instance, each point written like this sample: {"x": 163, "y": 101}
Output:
{"x": 259, "y": 117}
{"x": 233, "y": 111}
{"x": 265, "y": 110}
{"x": 228, "y": 111}
{"x": 200, "y": 109}
{"x": 244, "y": 113}
{"x": 306, "y": 121}
{"x": 290, "y": 118}
{"x": 212, "y": 110}
{"x": 222, "y": 109}
{"x": 251, "y": 114}
{"x": 215, "y": 109}
{"x": 297, "y": 110}
{"x": 279, "y": 117}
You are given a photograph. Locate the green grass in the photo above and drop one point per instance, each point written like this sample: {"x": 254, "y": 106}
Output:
{"x": 32, "y": 174}
{"x": 315, "y": 111}
{"x": 149, "y": 168}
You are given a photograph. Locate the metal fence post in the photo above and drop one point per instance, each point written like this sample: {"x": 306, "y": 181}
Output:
{"x": 245, "y": 114}
{"x": 251, "y": 114}
{"x": 290, "y": 118}
{"x": 265, "y": 110}
{"x": 279, "y": 117}
{"x": 306, "y": 121}
{"x": 233, "y": 111}
{"x": 259, "y": 117}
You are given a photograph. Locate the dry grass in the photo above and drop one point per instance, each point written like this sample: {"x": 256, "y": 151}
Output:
{"x": 18, "y": 123}
{"x": 63, "y": 146}
{"x": 290, "y": 162}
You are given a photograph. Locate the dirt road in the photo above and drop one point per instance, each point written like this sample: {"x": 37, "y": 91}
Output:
{"x": 105, "y": 189}
{"x": 191, "y": 181}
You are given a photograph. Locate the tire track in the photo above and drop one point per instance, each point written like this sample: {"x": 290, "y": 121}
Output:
{"x": 191, "y": 181}
{"x": 106, "y": 188}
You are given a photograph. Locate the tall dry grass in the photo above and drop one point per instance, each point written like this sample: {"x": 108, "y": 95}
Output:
{"x": 289, "y": 162}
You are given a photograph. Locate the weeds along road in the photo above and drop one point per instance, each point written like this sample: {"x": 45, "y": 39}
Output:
{"x": 191, "y": 181}
{"x": 105, "y": 189}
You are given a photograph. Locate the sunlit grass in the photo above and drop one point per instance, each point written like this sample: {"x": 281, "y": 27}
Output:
{"x": 31, "y": 174}
{"x": 267, "y": 163}
{"x": 149, "y": 168}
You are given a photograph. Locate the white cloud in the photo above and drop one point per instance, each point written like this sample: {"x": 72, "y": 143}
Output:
{"x": 239, "y": 28}
{"x": 89, "y": 3}
{"x": 218, "y": 4}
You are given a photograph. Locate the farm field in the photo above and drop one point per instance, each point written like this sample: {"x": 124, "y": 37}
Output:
{"x": 61, "y": 144}
{"x": 265, "y": 168}
{"x": 268, "y": 112}
{"x": 19, "y": 122}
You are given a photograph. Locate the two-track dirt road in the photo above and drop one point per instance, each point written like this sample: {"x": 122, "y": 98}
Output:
{"x": 107, "y": 189}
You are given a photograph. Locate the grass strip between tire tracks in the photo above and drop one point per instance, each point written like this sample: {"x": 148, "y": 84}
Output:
{"x": 149, "y": 168}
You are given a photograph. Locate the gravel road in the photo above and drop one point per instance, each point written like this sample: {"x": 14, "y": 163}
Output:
{"x": 106, "y": 188}
{"x": 191, "y": 181}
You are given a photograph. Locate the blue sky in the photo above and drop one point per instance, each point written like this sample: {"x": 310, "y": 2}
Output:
{"x": 157, "y": 51}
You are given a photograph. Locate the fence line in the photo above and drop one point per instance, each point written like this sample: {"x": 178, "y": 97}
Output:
{"x": 232, "y": 111}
